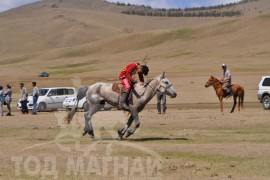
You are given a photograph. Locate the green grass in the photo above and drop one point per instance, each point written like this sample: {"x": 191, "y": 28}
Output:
{"x": 225, "y": 23}
{"x": 76, "y": 53}
{"x": 244, "y": 130}
{"x": 184, "y": 34}
{"x": 73, "y": 53}
{"x": 39, "y": 135}
{"x": 245, "y": 166}
{"x": 187, "y": 53}
{"x": 74, "y": 65}
{"x": 75, "y": 68}
{"x": 72, "y": 71}
{"x": 14, "y": 60}
{"x": 261, "y": 53}
{"x": 265, "y": 16}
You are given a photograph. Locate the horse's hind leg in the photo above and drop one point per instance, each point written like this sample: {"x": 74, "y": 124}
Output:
{"x": 239, "y": 103}
{"x": 88, "y": 129}
{"x": 123, "y": 131}
{"x": 234, "y": 103}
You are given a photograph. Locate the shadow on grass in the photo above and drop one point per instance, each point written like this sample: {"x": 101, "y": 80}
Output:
{"x": 142, "y": 139}
{"x": 157, "y": 139}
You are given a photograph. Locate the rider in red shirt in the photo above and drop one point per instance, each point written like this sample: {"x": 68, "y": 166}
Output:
{"x": 127, "y": 80}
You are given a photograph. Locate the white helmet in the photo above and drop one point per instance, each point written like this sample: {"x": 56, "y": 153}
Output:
{"x": 223, "y": 65}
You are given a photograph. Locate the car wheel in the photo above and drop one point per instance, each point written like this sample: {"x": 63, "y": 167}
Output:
{"x": 42, "y": 107}
{"x": 85, "y": 106}
{"x": 266, "y": 102}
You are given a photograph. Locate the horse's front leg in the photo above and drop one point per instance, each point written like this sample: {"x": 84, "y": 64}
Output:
{"x": 88, "y": 129}
{"x": 220, "y": 101}
{"x": 123, "y": 131}
{"x": 137, "y": 124}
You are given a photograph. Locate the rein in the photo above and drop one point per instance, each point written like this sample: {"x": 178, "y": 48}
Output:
{"x": 153, "y": 89}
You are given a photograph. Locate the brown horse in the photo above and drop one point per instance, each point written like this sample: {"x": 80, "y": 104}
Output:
{"x": 238, "y": 91}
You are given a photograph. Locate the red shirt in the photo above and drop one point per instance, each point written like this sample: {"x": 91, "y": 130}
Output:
{"x": 130, "y": 70}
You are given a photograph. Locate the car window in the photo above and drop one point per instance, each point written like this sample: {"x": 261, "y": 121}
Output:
{"x": 70, "y": 91}
{"x": 43, "y": 92}
{"x": 266, "y": 82}
{"x": 52, "y": 92}
{"x": 60, "y": 92}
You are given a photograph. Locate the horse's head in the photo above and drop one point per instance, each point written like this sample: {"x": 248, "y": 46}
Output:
{"x": 165, "y": 86}
{"x": 210, "y": 82}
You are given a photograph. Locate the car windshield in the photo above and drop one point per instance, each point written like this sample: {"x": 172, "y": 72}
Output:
{"x": 43, "y": 92}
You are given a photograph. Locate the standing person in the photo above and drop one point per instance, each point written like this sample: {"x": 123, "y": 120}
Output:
{"x": 8, "y": 99}
{"x": 126, "y": 78}
{"x": 2, "y": 100}
{"x": 35, "y": 97}
{"x": 23, "y": 99}
{"x": 227, "y": 79}
{"x": 161, "y": 97}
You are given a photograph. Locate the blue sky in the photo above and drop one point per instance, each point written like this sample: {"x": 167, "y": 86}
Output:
{"x": 9, "y": 4}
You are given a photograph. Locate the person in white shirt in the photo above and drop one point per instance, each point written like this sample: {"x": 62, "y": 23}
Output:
{"x": 226, "y": 78}
{"x": 161, "y": 97}
{"x": 8, "y": 99}
{"x": 23, "y": 99}
{"x": 35, "y": 97}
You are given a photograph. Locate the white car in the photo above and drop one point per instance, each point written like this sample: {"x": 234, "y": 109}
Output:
{"x": 71, "y": 102}
{"x": 50, "y": 98}
{"x": 264, "y": 92}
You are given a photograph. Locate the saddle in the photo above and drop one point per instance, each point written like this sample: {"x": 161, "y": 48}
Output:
{"x": 117, "y": 87}
{"x": 230, "y": 93}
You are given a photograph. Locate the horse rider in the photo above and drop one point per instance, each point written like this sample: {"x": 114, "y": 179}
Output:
{"x": 126, "y": 78}
{"x": 226, "y": 79}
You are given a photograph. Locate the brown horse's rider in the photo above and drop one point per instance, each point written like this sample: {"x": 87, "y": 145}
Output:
{"x": 126, "y": 78}
{"x": 226, "y": 79}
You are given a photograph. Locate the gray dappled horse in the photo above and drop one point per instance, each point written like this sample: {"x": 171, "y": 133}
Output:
{"x": 99, "y": 93}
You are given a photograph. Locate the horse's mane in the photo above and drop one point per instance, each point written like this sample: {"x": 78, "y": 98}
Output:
{"x": 217, "y": 80}
{"x": 142, "y": 89}
{"x": 148, "y": 82}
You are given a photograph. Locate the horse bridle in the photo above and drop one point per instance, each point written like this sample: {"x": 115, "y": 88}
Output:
{"x": 213, "y": 83}
{"x": 160, "y": 85}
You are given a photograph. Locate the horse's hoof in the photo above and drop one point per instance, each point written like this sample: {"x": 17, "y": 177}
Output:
{"x": 91, "y": 133}
{"x": 84, "y": 133}
{"x": 120, "y": 134}
{"x": 128, "y": 134}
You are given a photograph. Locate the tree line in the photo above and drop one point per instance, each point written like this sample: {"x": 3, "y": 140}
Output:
{"x": 185, "y": 14}
{"x": 210, "y": 11}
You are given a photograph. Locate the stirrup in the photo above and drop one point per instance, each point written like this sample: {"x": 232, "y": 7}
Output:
{"x": 122, "y": 107}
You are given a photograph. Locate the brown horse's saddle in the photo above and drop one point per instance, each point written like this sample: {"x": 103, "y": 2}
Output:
{"x": 117, "y": 87}
{"x": 230, "y": 93}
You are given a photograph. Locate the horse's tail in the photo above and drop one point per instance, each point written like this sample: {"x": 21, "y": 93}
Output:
{"x": 81, "y": 92}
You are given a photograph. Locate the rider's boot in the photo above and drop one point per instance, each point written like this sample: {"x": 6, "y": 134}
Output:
{"x": 122, "y": 103}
